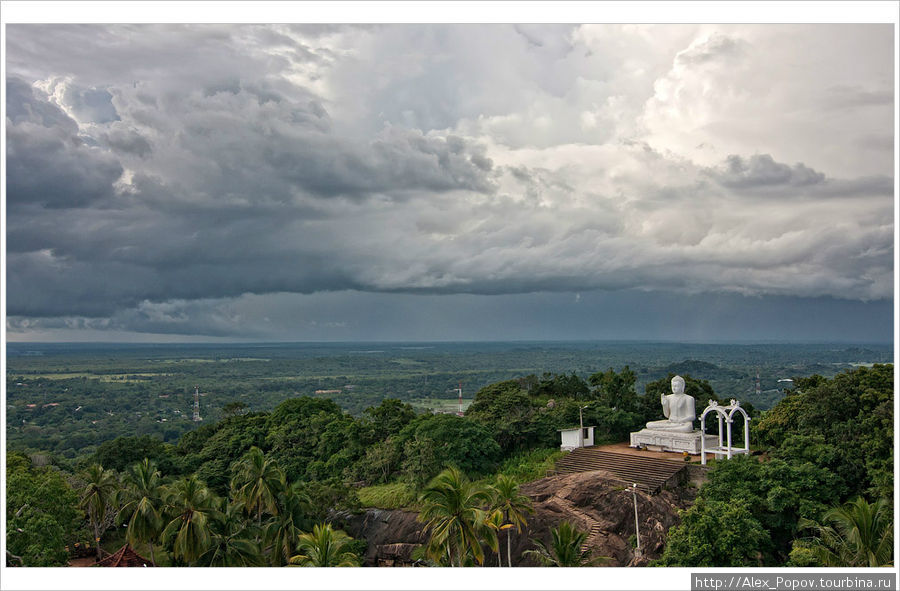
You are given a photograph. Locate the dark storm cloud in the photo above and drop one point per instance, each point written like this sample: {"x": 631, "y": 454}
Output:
{"x": 48, "y": 164}
{"x": 174, "y": 179}
{"x": 122, "y": 139}
{"x": 761, "y": 170}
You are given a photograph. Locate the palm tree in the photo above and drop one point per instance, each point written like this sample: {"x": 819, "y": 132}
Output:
{"x": 191, "y": 506}
{"x": 99, "y": 490}
{"x": 514, "y": 507}
{"x": 495, "y": 522}
{"x": 142, "y": 504}
{"x": 452, "y": 512}
{"x": 858, "y": 534}
{"x": 291, "y": 519}
{"x": 324, "y": 547}
{"x": 257, "y": 481}
{"x": 565, "y": 548}
{"x": 231, "y": 543}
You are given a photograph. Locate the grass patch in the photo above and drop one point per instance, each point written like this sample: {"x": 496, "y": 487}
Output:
{"x": 396, "y": 495}
{"x": 530, "y": 465}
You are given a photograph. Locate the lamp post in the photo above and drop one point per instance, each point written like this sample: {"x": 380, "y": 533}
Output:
{"x": 581, "y": 426}
{"x": 637, "y": 531}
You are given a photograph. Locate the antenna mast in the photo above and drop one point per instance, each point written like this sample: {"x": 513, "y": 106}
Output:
{"x": 459, "y": 412}
{"x": 197, "y": 404}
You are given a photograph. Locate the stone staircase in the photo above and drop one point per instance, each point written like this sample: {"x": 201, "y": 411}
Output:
{"x": 650, "y": 474}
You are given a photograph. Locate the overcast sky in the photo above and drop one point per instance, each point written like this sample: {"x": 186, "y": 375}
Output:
{"x": 450, "y": 182}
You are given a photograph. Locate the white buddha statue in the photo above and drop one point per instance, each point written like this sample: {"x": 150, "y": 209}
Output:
{"x": 678, "y": 408}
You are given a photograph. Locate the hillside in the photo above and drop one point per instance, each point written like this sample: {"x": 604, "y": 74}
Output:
{"x": 587, "y": 499}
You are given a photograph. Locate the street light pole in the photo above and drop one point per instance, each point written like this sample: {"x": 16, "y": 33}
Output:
{"x": 637, "y": 531}
{"x": 581, "y": 425}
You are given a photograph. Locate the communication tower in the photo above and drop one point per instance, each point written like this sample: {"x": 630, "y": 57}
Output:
{"x": 459, "y": 412}
{"x": 197, "y": 418}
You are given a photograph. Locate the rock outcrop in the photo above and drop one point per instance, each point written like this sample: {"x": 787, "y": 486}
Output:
{"x": 604, "y": 509}
{"x": 593, "y": 503}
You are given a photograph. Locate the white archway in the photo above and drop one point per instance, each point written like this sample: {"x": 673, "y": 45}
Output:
{"x": 726, "y": 414}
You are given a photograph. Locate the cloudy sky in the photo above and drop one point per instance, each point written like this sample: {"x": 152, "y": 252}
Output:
{"x": 450, "y": 182}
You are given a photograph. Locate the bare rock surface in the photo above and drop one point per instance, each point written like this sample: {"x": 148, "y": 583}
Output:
{"x": 593, "y": 503}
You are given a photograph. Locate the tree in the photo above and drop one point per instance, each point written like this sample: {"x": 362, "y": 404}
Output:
{"x": 616, "y": 390}
{"x": 292, "y": 518}
{"x": 857, "y": 534}
{"x": 777, "y": 493}
{"x": 257, "y": 481}
{"x": 325, "y": 547}
{"x": 507, "y": 411}
{"x": 230, "y": 542}
{"x": 565, "y": 549}
{"x": 142, "y": 503}
{"x": 513, "y": 507}
{"x": 228, "y": 443}
{"x": 191, "y": 506}
{"x": 389, "y": 417}
{"x": 453, "y": 514}
{"x": 42, "y": 514}
{"x": 716, "y": 533}
{"x": 234, "y": 408}
{"x": 456, "y": 441}
{"x": 96, "y": 497}
{"x": 122, "y": 452}
{"x": 853, "y": 413}
{"x": 294, "y": 430}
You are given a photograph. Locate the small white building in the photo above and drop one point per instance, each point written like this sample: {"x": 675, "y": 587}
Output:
{"x": 576, "y": 437}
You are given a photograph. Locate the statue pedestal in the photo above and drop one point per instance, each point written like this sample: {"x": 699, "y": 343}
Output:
{"x": 672, "y": 440}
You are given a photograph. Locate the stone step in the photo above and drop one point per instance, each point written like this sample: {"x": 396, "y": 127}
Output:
{"x": 648, "y": 473}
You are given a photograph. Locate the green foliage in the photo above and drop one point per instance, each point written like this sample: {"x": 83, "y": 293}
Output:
{"x": 294, "y": 514}
{"x": 512, "y": 508}
{"x": 123, "y": 452}
{"x": 396, "y": 495}
{"x": 222, "y": 446}
{"x": 857, "y": 534}
{"x": 97, "y": 498}
{"x": 389, "y": 417}
{"x": 294, "y": 434}
{"x": 256, "y": 483}
{"x": 452, "y": 510}
{"x": 508, "y": 412}
{"x": 564, "y": 549}
{"x": 557, "y": 386}
{"x": 141, "y": 505}
{"x": 849, "y": 423}
{"x": 716, "y": 533}
{"x": 230, "y": 543}
{"x": 326, "y": 496}
{"x": 42, "y": 514}
{"x": 530, "y": 465}
{"x": 190, "y": 506}
{"x": 234, "y": 408}
{"x": 616, "y": 389}
{"x": 439, "y": 441}
{"x": 777, "y": 494}
{"x": 325, "y": 546}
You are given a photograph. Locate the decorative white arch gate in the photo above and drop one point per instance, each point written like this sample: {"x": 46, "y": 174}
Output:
{"x": 724, "y": 413}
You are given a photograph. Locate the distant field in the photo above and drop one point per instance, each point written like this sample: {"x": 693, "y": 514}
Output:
{"x": 439, "y": 404}
{"x": 101, "y": 377}
{"x": 85, "y": 394}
